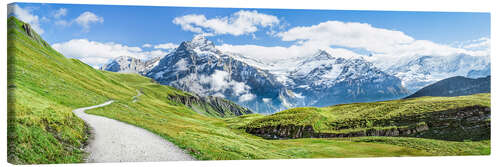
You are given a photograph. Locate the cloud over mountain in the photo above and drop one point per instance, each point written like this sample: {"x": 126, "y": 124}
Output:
{"x": 97, "y": 53}
{"x": 240, "y": 23}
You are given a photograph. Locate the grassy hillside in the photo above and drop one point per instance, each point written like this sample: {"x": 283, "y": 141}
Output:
{"x": 424, "y": 112}
{"x": 44, "y": 87}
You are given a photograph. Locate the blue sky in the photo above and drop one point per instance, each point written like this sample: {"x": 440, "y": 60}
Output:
{"x": 131, "y": 27}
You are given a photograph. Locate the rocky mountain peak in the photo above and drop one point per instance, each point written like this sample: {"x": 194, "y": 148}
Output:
{"x": 319, "y": 58}
{"x": 200, "y": 39}
{"x": 201, "y": 43}
{"x": 322, "y": 55}
{"x": 124, "y": 58}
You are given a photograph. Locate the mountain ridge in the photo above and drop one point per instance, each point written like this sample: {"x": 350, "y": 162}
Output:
{"x": 198, "y": 66}
{"x": 455, "y": 86}
{"x": 419, "y": 71}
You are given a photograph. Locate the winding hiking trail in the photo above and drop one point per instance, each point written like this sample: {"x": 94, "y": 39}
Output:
{"x": 115, "y": 141}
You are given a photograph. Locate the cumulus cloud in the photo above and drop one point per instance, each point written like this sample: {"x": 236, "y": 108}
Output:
{"x": 276, "y": 53}
{"x": 239, "y": 23}
{"x": 353, "y": 35}
{"x": 384, "y": 42}
{"x": 97, "y": 53}
{"x": 59, "y": 13}
{"x": 482, "y": 43}
{"x": 220, "y": 81}
{"x": 147, "y": 45}
{"x": 87, "y": 18}
{"x": 45, "y": 19}
{"x": 63, "y": 23}
{"x": 166, "y": 46}
{"x": 246, "y": 97}
{"x": 345, "y": 38}
{"x": 182, "y": 65}
{"x": 26, "y": 16}
{"x": 156, "y": 53}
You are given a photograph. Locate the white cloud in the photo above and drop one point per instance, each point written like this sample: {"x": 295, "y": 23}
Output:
{"x": 87, "y": 18}
{"x": 275, "y": 53}
{"x": 156, "y": 53}
{"x": 220, "y": 81}
{"x": 26, "y": 16}
{"x": 63, "y": 23}
{"x": 388, "y": 43}
{"x": 353, "y": 35}
{"x": 84, "y": 20}
{"x": 97, "y": 53}
{"x": 239, "y": 23}
{"x": 166, "y": 46}
{"x": 45, "y": 19}
{"x": 246, "y": 97}
{"x": 481, "y": 43}
{"x": 266, "y": 100}
{"x": 181, "y": 65}
{"x": 60, "y": 12}
{"x": 343, "y": 39}
{"x": 147, "y": 45}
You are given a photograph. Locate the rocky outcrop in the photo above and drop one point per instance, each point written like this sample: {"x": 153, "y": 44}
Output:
{"x": 467, "y": 123}
{"x": 32, "y": 34}
{"x": 207, "y": 104}
{"x": 293, "y": 132}
{"x": 27, "y": 29}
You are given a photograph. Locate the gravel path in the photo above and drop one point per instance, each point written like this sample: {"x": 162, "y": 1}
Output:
{"x": 115, "y": 141}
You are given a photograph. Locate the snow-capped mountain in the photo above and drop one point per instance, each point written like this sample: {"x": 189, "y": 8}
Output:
{"x": 197, "y": 66}
{"x": 486, "y": 71}
{"x": 270, "y": 86}
{"x": 126, "y": 64}
{"x": 420, "y": 71}
{"x": 324, "y": 79}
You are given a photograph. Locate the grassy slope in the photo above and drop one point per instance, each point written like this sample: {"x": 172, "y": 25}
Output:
{"x": 47, "y": 87}
{"x": 211, "y": 138}
{"x": 43, "y": 88}
{"x": 357, "y": 116}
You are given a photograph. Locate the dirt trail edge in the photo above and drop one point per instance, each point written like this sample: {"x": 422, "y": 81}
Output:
{"x": 115, "y": 141}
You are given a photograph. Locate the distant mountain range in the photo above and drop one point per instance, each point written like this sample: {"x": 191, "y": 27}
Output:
{"x": 456, "y": 86}
{"x": 127, "y": 64}
{"x": 419, "y": 71}
{"x": 318, "y": 80}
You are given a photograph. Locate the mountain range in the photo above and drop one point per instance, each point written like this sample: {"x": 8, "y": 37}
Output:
{"x": 319, "y": 80}
{"x": 126, "y": 64}
{"x": 421, "y": 70}
{"x": 198, "y": 66}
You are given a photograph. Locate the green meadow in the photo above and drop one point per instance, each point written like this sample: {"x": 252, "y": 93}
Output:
{"x": 358, "y": 116}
